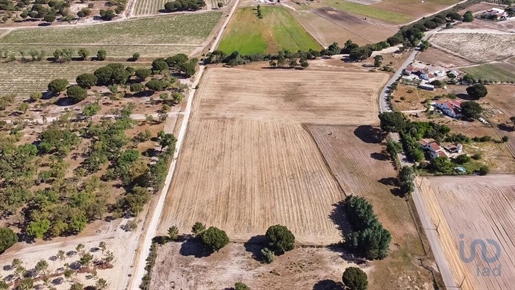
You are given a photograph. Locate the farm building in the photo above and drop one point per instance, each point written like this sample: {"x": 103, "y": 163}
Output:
{"x": 428, "y": 87}
{"x": 433, "y": 148}
{"x": 454, "y": 148}
{"x": 449, "y": 108}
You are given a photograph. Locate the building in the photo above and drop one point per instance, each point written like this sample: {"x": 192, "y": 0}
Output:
{"x": 428, "y": 87}
{"x": 454, "y": 148}
{"x": 449, "y": 108}
{"x": 433, "y": 148}
{"x": 495, "y": 14}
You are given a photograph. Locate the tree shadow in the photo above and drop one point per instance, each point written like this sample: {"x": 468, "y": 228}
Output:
{"x": 369, "y": 134}
{"x": 391, "y": 181}
{"x": 254, "y": 246}
{"x": 340, "y": 219}
{"x": 380, "y": 156}
{"x": 465, "y": 97}
{"x": 194, "y": 247}
{"x": 328, "y": 285}
{"x": 397, "y": 192}
{"x": 65, "y": 102}
{"x": 506, "y": 128}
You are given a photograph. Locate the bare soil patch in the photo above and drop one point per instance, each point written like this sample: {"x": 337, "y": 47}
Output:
{"x": 441, "y": 58}
{"x": 477, "y": 47}
{"x": 478, "y": 208}
{"x": 363, "y": 169}
{"x": 302, "y": 268}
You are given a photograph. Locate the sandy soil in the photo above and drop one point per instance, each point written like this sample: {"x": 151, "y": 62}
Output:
{"x": 479, "y": 208}
{"x": 302, "y": 268}
{"x": 363, "y": 169}
{"x": 328, "y": 25}
{"x": 441, "y": 58}
{"x": 477, "y": 47}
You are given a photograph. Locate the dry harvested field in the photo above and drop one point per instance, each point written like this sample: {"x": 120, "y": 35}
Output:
{"x": 355, "y": 157}
{"x": 479, "y": 208}
{"x": 415, "y": 9}
{"x": 477, "y": 47}
{"x": 291, "y": 95}
{"x": 248, "y": 163}
{"x": 501, "y": 98}
{"x": 304, "y": 268}
{"x": 328, "y": 25}
{"x": 441, "y": 58}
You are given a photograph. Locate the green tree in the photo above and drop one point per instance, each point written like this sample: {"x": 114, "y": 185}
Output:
{"x": 41, "y": 266}
{"x": 38, "y": 228}
{"x": 378, "y": 60}
{"x": 83, "y": 53}
{"x": 26, "y": 284}
{"x": 175, "y": 62}
{"x": 35, "y": 96}
{"x": 462, "y": 159}
{"x": 76, "y": 286}
{"x": 393, "y": 121}
{"x": 86, "y": 80}
{"x": 58, "y": 85}
{"x": 268, "y": 256}
{"x": 159, "y": 65}
{"x": 76, "y": 93}
{"x": 7, "y": 239}
{"x": 471, "y": 110}
{"x": 101, "y": 55}
{"x": 166, "y": 140}
{"x": 86, "y": 259}
{"x": 101, "y": 284}
{"x": 135, "y": 56}
{"x": 198, "y": 228}
{"x": 484, "y": 170}
{"x": 173, "y": 233}
{"x": 281, "y": 239}
{"x": 214, "y": 238}
{"x": 143, "y": 73}
{"x": 61, "y": 255}
{"x": 156, "y": 85}
{"x": 107, "y": 14}
{"x": 406, "y": 176}
{"x": 188, "y": 68}
{"x": 136, "y": 88}
{"x": 304, "y": 63}
{"x": 239, "y": 285}
{"x": 355, "y": 279}
{"x": 477, "y": 91}
{"x": 91, "y": 110}
{"x": 468, "y": 16}
{"x": 50, "y": 17}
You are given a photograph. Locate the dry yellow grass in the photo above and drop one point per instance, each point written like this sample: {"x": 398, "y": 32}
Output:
{"x": 479, "y": 208}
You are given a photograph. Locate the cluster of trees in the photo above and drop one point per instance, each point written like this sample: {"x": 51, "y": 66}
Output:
{"x": 109, "y": 14}
{"x": 369, "y": 239}
{"x": 184, "y": 5}
{"x": 406, "y": 176}
{"x": 477, "y": 91}
{"x": 179, "y": 63}
{"x": 7, "y": 239}
{"x": 67, "y": 54}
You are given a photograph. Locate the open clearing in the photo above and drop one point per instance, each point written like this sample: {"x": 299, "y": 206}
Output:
{"x": 303, "y": 268}
{"x": 480, "y": 208}
{"x": 355, "y": 157}
{"x": 441, "y": 58}
{"x": 277, "y": 30}
{"x": 499, "y": 72}
{"x": 255, "y": 165}
{"x": 328, "y": 25}
{"x": 177, "y": 33}
{"x": 477, "y": 47}
{"x": 415, "y": 9}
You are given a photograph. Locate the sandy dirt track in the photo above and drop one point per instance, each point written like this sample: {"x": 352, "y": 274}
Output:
{"x": 291, "y": 95}
{"x": 477, "y": 208}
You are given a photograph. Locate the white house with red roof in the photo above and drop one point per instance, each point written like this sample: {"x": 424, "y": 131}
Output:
{"x": 450, "y": 108}
{"x": 433, "y": 148}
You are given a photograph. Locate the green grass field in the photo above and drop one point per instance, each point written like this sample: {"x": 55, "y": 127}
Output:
{"x": 370, "y": 11}
{"x": 186, "y": 30}
{"x": 501, "y": 72}
{"x": 277, "y": 30}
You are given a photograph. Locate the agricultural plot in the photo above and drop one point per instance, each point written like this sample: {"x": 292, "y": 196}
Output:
{"x": 177, "y": 33}
{"x": 149, "y": 7}
{"x": 413, "y": 9}
{"x": 277, "y": 30}
{"x": 248, "y": 163}
{"x": 477, "y": 47}
{"x": 499, "y": 72}
{"x": 355, "y": 157}
{"x": 370, "y": 11}
{"x": 328, "y": 25}
{"x": 472, "y": 210}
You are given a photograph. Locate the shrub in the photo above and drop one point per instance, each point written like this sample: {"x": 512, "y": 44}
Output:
{"x": 239, "y": 285}
{"x": 484, "y": 170}
{"x": 58, "y": 85}
{"x": 86, "y": 80}
{"x": 462, "y": 159}
{"x": 214, "y": 238}
{"x": 268, "y": 256}
{"x": 355, "y": 279}
{"x": 281, "y": 239}
{"x": 7, "y": 239}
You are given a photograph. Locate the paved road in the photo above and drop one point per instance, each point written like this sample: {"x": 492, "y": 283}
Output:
{"x": 150, "y": 231}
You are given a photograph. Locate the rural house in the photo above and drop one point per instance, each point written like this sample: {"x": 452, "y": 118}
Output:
{"x": 433, "y": 148}
{"x": 495, "y": 14}
{"x": 454, "y": 148}
{"x": 449, "y": 108}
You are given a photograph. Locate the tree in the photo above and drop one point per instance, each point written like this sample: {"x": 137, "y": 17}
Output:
{"x": 26, "y": 284}
{"x": 462, "y": 159}
{"x": 484, "y": 170}
{"x": 61, "y": 255}
{"x": 91, "y": 110}
{"x": 80, "y": 247}
{"x": 378, "y": 60}
{"x": 406, "y": 180}
{"x": 104, "y": 75}
{"x": 101, "y": 284}
{"x": 7, "y": 239}
{"x": 156, "y": 85}
{"x": 281, "y": 239}
{"x": 86, "y": 80}
{"x": 198, "y": 228}
{"x": 86, "y": 259}
{"x": 471, "y": 110}
{"x": 136, "y": 88}
{"x": 453, "y": 16}
{"x": 355, "y": 278}
{"x": 50, "y": 17}
{"x": 468, "y": 16}
{"x": 304, "y": 63}
{"x": 103, "y": 246}
{"x": 173, "y": 233}
{"x": 101, "y": 55}
{"x": 477, "y": 91}
{"x": 241, "y": 286}
{"x": 393, "y": 121}
{"x": 35, "y": 96}
{"x": 166, "y": 140}
{"x": 143, "y": 73}
{"x": 214, "y": 238}
{"x": 107, "y": 14}
{"x": 360, "y": 53}
{"x": 268, "y": 256}
{"x": 83, "y": 53}
{"x": 189, "y": 67}
{"x": 135, "y": 56}
{"x": 23, "y": 107}
{"x": 505, "y": 138}
{"x": 38, "y": 228}
{"x": 58, "y": 85}
{"x": 42, "y": 266}
{"x": 76, "y": 93}
{"x": 159, "y": 65}
{"x": 76, "y": 286}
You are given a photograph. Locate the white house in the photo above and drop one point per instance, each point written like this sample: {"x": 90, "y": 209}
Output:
{"x": 449, "y": 108}
{"x": 495, "y": 13}
{"x": 433, "y": 148}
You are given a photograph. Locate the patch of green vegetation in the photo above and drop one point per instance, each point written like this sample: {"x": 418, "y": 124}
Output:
{"x": 370, "y": 11}
{"x": 277, "y": 30}
{"x": 492, "y": 72}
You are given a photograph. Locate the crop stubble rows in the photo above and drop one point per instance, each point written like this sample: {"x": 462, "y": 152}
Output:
{"x": 248, "y": 163}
